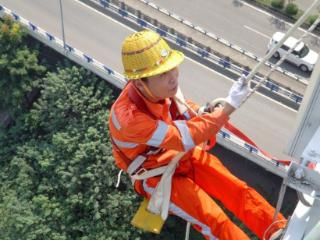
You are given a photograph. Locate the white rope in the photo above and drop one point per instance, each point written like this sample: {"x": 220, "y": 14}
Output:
{"x": 119, "y": 178}
{"x": 280, "y": 199}
{"x": 187, "y": 231}
{"x": 253, "y": 72}
{"x": 313, "y": 26}
{"x": 271, "y": 52}
{"x": 279, "y": 44}
{"x": 268, "y": 229}
{"x": 186, "y": 105}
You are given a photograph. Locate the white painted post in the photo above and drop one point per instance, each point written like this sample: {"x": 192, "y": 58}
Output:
{"x": 308, "y": 119}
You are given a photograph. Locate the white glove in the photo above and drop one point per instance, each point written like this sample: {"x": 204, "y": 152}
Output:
{"x": 238, "y": 92}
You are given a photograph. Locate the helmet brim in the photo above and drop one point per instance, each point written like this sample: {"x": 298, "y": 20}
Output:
{"x": 173, "y": 60}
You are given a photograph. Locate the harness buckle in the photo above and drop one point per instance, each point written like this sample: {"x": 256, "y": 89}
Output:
{"x": 140, "y": 171}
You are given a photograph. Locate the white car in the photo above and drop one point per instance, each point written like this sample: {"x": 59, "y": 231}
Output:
{"x": 301, "y": 56}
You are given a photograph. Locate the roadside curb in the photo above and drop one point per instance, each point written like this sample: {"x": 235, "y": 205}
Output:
{"x": 280, "y": 15}
{"x": 205, "y": 41}
{"x": 127, "y": 15}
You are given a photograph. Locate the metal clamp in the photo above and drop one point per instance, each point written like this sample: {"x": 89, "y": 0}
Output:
{"x": 304, "y": 180}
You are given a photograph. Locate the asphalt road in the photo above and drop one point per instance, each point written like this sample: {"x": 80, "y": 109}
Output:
{"x": 240, "y": 24}
{"x": 265, "y": 121}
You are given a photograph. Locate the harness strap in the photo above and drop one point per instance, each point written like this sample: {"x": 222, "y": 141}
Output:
{"x": 138, "y": 101}
{"x": 135, "y": 164}
{"x": 160, "y": 199}
{"x": 143, "y": 174}
{"x": 245, "y": 138}
{"x": 141, "y": 105}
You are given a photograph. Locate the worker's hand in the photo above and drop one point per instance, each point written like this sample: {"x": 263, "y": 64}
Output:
{"x": 208, "y": 108}
{"x": 238, "y": 92}
{"x": 214, "y": 105}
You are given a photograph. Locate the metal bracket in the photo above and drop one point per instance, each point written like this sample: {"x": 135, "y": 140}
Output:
{"x": 304, "y": 180}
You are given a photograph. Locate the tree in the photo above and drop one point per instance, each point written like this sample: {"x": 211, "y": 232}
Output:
{"x": 292, "y": 9}
{"x": 62, "y": 167}
{"x": 279, "y": 4}
{"x": 20, "y": 71}
{"x": 57, "y": 170}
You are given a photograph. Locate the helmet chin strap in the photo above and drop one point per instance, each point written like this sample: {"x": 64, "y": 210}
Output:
{"x": 149, "y": 93}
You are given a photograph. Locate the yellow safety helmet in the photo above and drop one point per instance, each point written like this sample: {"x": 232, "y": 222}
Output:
{"x": 146, "y": 54}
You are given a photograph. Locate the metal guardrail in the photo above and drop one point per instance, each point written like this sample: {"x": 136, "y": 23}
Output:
{"x": 202, "y": 52}
{"x": 221, "y": 40}
{"x": 235, "y": 144}
{"x": 225, "y": 138}
{"x": 70, "y": 52}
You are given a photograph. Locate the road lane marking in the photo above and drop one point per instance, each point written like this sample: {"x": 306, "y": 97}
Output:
{"x": 256, "y": 31}
{"x": 104, "y": 15}
{"x": 200, "y": 64}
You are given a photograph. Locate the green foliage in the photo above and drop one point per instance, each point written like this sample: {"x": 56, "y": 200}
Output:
{"x": 11, "y": 33}
{"x": 311, "y": 19}
{"x": 20, "y": 71}
{"x": 292, "y": 9}
{"x": 279, "y": 4}
{"x": 57, "y": 169}
{"x": 59, "y": 174}
{"x": 265, "y": 2}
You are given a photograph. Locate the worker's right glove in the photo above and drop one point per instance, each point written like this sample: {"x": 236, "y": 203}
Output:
{"x": 238, "y": 92}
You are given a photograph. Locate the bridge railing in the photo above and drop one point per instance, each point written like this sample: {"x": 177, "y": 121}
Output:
{"x": 219, "y": 39}
{"x": 203, "y": 52}
{"x": 225, "y": 138}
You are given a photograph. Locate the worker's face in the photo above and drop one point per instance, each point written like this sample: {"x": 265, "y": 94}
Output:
{"x": 164, "y": 85}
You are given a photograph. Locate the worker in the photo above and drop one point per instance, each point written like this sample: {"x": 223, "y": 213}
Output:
{"x": 147, "y": 122}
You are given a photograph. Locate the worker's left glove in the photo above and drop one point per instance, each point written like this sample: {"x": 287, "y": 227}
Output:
{"x": 238, "y": 92}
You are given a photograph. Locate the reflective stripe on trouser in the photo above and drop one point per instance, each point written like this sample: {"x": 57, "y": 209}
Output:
{"x": 205, "y": 230}
{"x": 190, "y": 193}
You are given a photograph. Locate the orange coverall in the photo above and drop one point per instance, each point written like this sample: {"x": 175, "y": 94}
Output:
{"x": 199, "y": 174}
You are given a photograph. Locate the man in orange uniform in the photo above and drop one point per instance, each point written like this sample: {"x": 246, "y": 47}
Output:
{"x": 146, "y": 121}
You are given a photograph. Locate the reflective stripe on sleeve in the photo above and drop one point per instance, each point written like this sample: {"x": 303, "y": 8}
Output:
{"x": 185, "y": 134}
{"x": 115, "y": 120}
{"x": 124, "y": 144}
{"x": 158, "y": 135}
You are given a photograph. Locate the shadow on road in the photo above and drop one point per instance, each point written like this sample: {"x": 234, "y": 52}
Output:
{"x": 291, "y": 68}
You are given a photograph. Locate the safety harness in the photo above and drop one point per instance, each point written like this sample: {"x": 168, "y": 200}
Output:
{"x": 160, "y": 199}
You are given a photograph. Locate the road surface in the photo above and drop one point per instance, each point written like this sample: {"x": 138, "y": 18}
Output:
{"x": 243, "y": 25}
{"x": 268, "y": 123}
